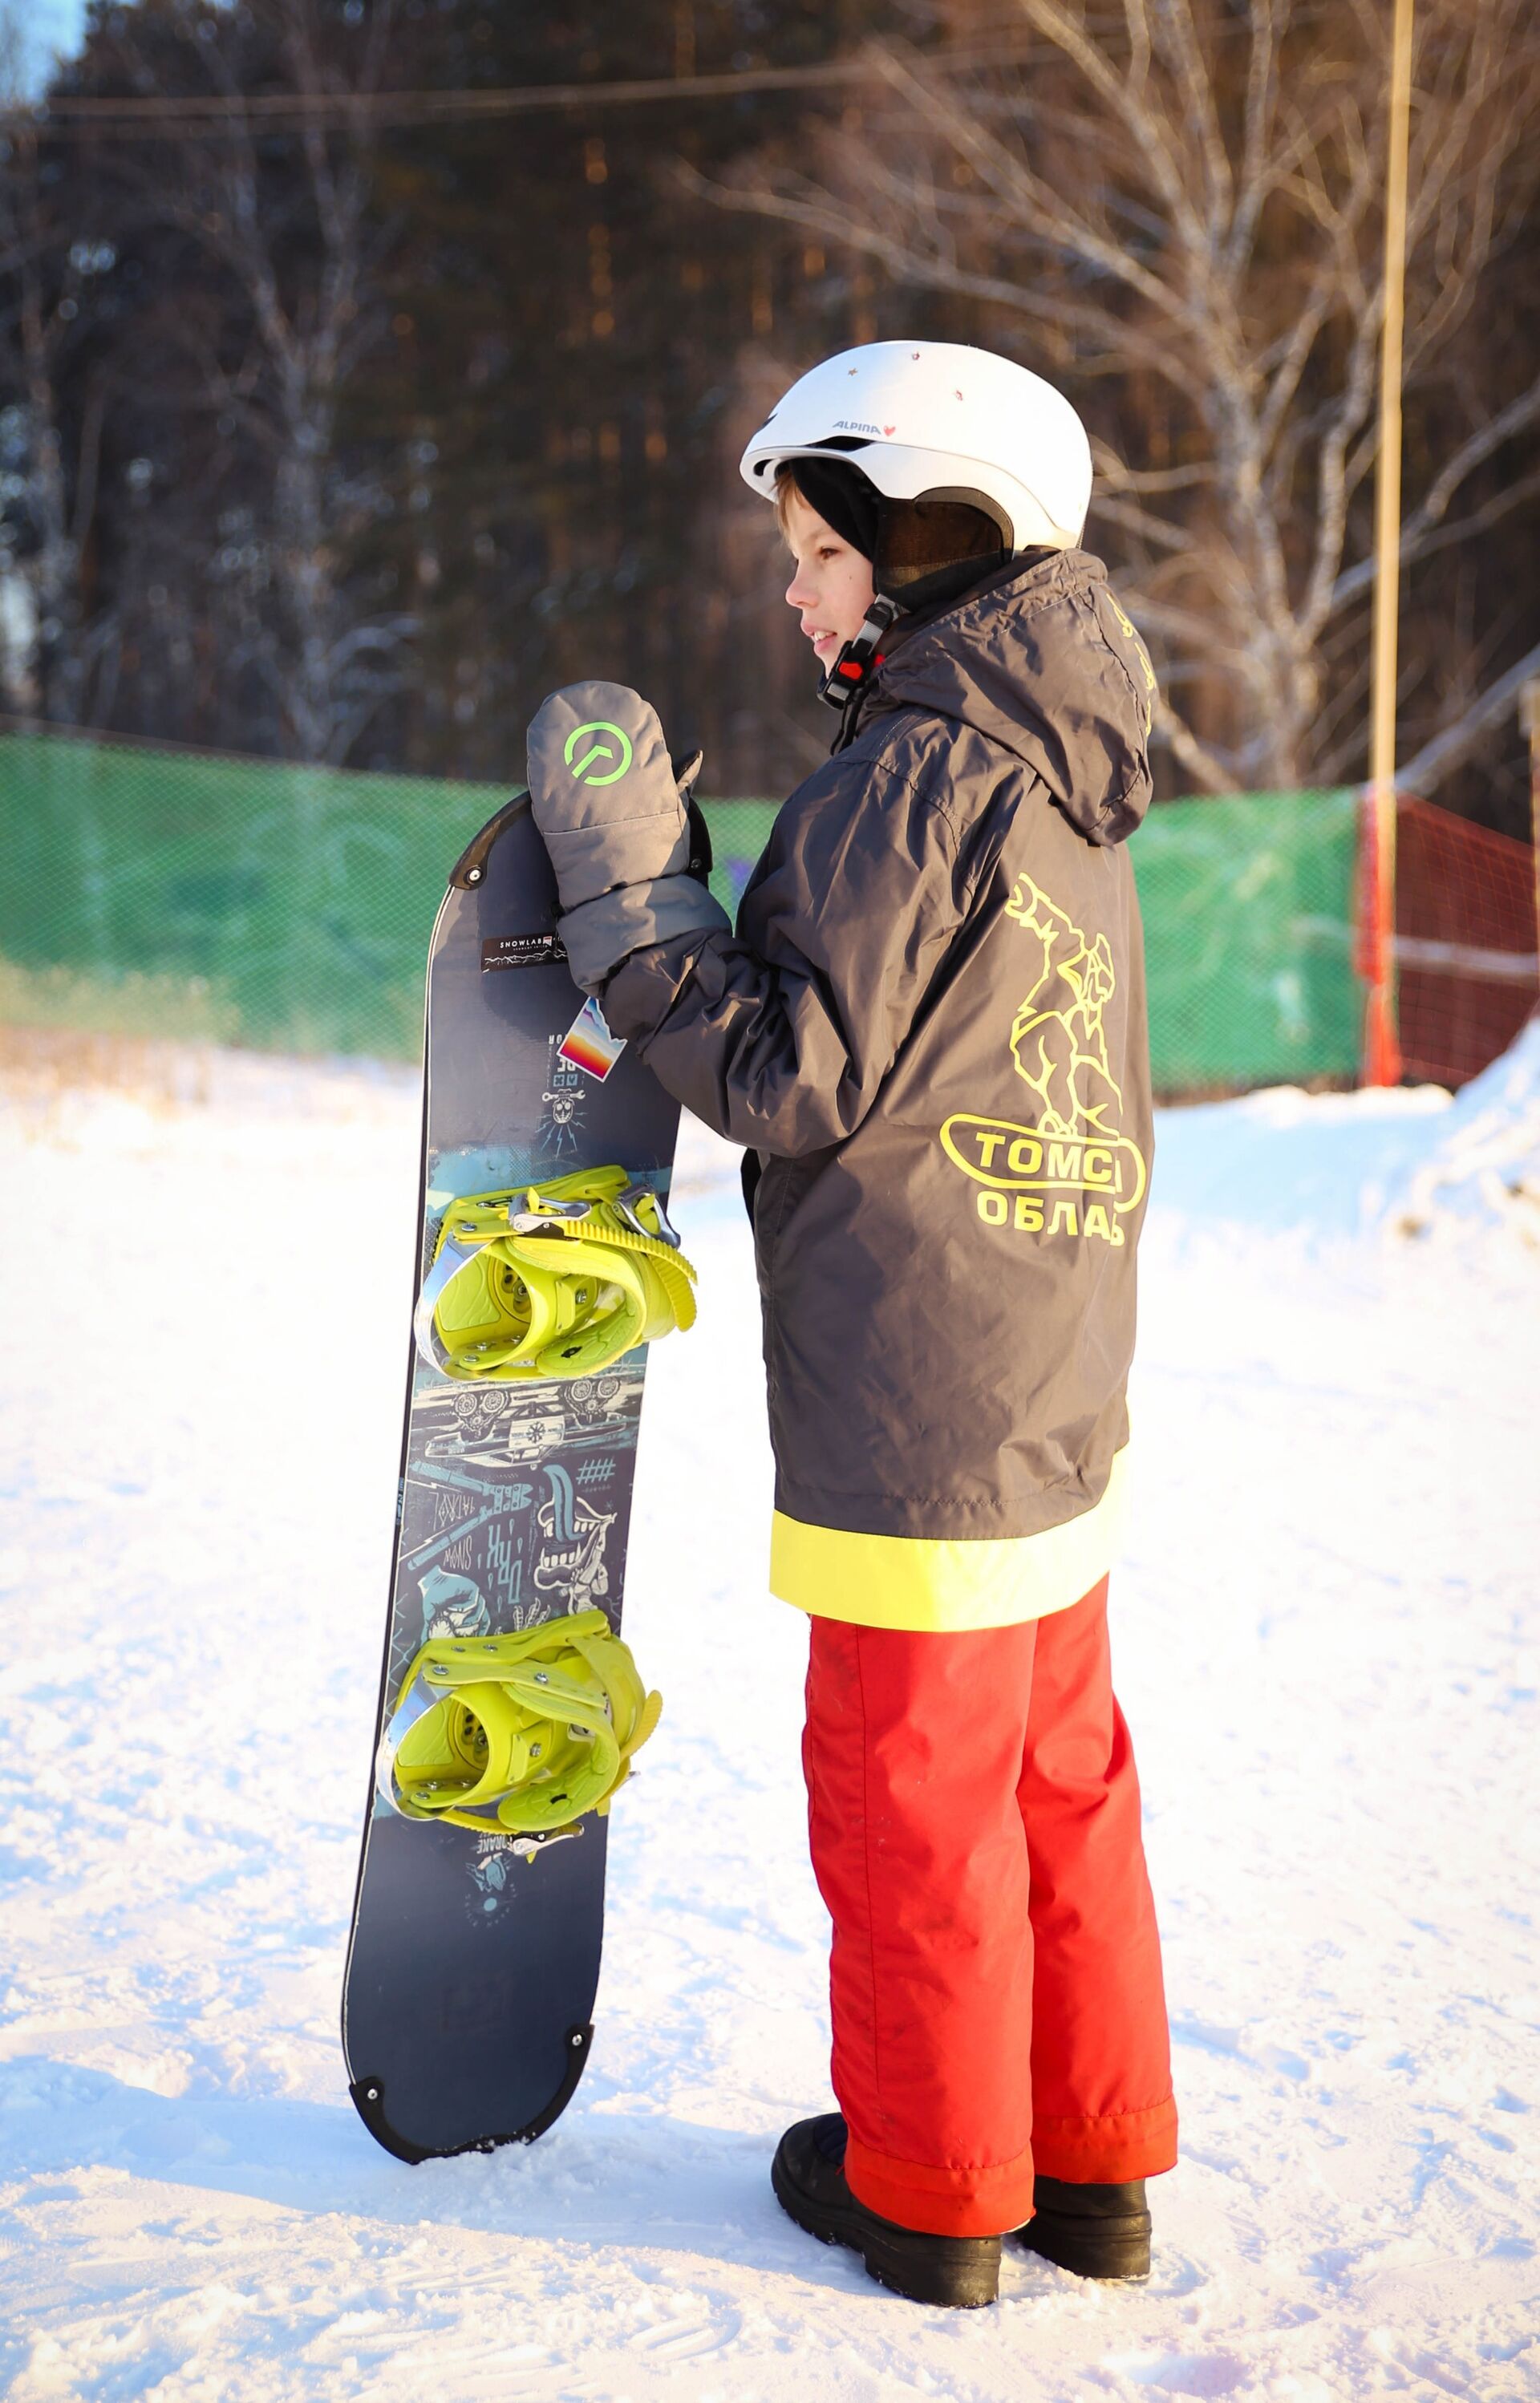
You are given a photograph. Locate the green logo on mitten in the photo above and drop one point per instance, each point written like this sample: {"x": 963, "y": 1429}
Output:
{"x": 604, "y": 743}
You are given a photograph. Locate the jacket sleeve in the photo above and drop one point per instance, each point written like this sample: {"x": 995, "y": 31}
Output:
{"x": 780, "y": 1036}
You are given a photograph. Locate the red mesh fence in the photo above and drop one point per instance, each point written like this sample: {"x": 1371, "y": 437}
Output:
{"x": 1467, "y": 970}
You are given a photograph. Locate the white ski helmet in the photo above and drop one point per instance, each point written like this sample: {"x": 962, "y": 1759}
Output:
{"x": 939, "y": 422}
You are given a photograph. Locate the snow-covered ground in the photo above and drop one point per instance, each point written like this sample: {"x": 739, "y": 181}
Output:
{"x": 1328, "y": 1648}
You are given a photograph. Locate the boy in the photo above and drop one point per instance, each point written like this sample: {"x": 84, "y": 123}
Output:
{"x": 928, "y": 1032}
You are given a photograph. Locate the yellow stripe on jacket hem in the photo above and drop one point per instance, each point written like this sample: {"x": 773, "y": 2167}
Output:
{"x": 946, "y": 1584}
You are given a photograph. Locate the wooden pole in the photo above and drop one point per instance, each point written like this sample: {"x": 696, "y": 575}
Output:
{"x": 1528, "y": 718}
{"x": 1381, "y": 1047}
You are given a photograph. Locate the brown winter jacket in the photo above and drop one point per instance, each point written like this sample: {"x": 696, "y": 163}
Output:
{"x": 930, "y": 1024}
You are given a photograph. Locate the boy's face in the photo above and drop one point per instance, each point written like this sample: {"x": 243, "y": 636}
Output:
{"x": 832, "y": 587}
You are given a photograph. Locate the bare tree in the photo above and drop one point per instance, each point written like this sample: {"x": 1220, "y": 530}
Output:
{"x": 1177, "y": 205}
{"x": 310, "y": 295}
{"x": 56, "y": 658}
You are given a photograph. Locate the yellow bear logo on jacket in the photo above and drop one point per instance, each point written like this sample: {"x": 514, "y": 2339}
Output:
{"x": 1069, "y": 1170}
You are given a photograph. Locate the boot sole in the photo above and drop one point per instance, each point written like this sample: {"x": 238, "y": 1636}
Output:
{"x": 1123, "y": 2257}
{"x": 961, "y": 2285}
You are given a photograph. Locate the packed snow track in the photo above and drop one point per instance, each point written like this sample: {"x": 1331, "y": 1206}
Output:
{"x": 1327, "y": 1644}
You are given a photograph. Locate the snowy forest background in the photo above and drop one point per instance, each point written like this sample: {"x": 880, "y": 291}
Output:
{"x": 346, "y": 439}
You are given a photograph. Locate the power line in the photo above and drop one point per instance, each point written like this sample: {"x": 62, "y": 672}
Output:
{"x": 213, "y": 113}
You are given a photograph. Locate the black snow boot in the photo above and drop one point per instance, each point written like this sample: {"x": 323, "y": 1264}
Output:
{"x": 1098, "y": 2231}
{"x": 809, "y": 2177}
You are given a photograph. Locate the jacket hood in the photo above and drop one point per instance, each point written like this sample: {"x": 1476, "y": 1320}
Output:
{"x": 1044, "y": 663}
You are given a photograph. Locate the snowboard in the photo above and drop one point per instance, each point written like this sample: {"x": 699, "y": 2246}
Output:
{"x": 474, "y": 1957}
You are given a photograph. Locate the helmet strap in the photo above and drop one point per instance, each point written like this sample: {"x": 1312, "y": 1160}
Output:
{"x": 846, "y": 679}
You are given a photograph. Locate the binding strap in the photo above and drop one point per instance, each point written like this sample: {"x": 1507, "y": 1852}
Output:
{"x": 550, "y": 1281}
{"x": 517, "y": 1734}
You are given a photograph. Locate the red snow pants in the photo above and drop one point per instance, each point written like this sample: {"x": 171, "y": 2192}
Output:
{"x": 996, "y": 1983}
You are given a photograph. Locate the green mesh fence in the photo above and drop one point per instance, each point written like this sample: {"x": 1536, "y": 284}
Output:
{"x": 289, "y": 909}
{"x": 286, "y": 908}
{"x": 1248, "y": 938}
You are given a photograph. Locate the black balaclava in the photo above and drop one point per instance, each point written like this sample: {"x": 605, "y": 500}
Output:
{"x": 924, "y": 553}
{"x": 925, "y": 557}
{"x": 843, "y": 498}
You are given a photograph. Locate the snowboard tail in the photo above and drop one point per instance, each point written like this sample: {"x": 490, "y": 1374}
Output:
{"x": 368, "y": 2095}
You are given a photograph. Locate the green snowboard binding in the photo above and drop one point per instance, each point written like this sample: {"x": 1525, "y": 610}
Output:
{"x": 552, "y": 1281}
{"x": 516, "y": 1735}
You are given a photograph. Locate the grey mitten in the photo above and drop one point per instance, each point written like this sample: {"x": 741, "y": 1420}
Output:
{"x": 614, "y": 817}
{"x": 603, "y": 792}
